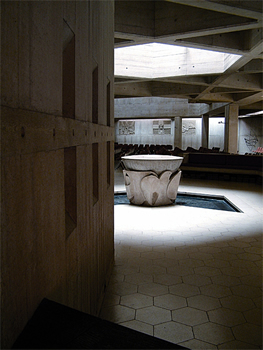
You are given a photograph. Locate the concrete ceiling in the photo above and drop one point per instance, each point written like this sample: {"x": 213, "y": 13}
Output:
{"x": 231, "y": 26}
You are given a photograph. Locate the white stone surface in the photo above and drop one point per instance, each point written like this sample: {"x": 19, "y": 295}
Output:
{"x": 152, "y": 162}
{"x": 148, "y": 189}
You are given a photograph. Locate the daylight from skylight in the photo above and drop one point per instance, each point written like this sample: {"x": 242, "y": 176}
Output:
{"x": 162, "y": 60}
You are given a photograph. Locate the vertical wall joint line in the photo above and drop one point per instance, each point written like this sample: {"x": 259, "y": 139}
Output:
{"x": 95, "y": 172}
{"x": 70, "y": 189}
{"x": 108, "y": 163}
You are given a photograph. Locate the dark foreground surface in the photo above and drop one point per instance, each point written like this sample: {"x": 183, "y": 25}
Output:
{"x": 55, "y": 326}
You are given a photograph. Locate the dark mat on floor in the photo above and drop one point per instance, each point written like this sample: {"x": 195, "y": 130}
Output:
{"x": 188, "y": 200}
{"x": 55, "y": 326}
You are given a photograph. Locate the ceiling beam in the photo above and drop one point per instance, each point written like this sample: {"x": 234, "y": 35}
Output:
{"x": 233, "y": 9}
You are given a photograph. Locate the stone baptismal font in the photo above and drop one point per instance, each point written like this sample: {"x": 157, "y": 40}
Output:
{"x": 151, "y": 179}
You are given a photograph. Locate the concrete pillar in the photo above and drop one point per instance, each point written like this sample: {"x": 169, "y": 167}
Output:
{"x": 205, "y": 131}
{"x": 178, "y": 132}
{"x": 231, "y": 128}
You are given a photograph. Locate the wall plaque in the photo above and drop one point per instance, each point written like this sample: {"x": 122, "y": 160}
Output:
{"x": 127, "y": 127}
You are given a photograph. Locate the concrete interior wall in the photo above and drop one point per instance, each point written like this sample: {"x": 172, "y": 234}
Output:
{"x": 145, "y": 131}
{"x": 250, "y": 134}
{"x": 57, "y": 157}
{"x": 216, "y": 133}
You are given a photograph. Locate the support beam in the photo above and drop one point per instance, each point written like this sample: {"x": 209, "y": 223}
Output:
{"x": 231, "y": 128}
{"x": 205, "y": 131}
{"x": 178, "y": 132}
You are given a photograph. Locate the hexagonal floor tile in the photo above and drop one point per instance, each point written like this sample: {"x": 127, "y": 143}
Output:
{"x": 203, "y": 302}
{"x": 153, "y": 289}
{"x": 117, "y": 313}
{"x": 237, "y": 303}
{"x": 184, "y": 290}
{"x": 225, "y": 256}
{"x": 201, "y": 256}
{"x": 214, "y": 290}
{"x": 245, "y": 264}
{"x": 195, "y": 344}
{"x": 122, "y": 288}
{"x": 139, "y": 326}
{"x": 169, "y": 301}
{"x": 254, "y": 316}
{"x": 248, "y": 333}
{"x": 249, "y": 292}
{"x": 207, "y": 271}
{"x": 138, "y": 278}
{"x": 210, "y": 250}
{"x": 180, "y": 270}
{"x": 152, "y": 255}
{"x": 213, "y": 333}
{"x": 234, "y": 271}
{"x": 217, "y": 263}
{"x": 155, "y": 270}
{"x": 191, "y": 262}
{"x": 189, "y": 316}
{"x": 226, "y": 317}
{"x": 251, "y": 281}
{"x": 153, "y": 315}
{"x": 136, "y": 300}
{"x": 232, "y": 250}
{"x": 254, "y": 250}
{"x": 249, "y": 256}
{"x": 258, "y": 302}
{"x": 173, "y": 332}
{"x": 167, "y": 279}
{"x": 165, "y": 262}
{"x": 141, "y": 248}
{"x": 236, "y": 344}
{"x": 225, "y": 280}
{"x": 197, "y": 280}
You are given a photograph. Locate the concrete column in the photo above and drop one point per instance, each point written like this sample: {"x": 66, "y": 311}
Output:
{"x": 205, "y": 131}
{"x": 231, "y": 128}
{"x": 178, "y": 132}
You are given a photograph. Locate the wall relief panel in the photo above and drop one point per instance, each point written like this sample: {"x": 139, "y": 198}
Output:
{"x": 127, "y": 127}
{"x": 162, "y": 127}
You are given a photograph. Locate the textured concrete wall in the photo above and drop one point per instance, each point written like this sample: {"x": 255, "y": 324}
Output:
{"x": 191, "y": 133}
{"x": 157, "y": 107}
{"x": 216, "y": 133}
{"x": 57, "y": 192}
{"x": 250, "y": 134}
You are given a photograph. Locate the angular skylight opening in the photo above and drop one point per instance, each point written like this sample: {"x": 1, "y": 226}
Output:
{"x": 162, "y": 60}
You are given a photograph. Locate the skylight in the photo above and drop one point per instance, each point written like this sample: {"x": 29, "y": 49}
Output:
{"x": 162, "y": 60}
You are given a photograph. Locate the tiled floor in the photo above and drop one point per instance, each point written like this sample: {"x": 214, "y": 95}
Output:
{"x": 191, "y": 276}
